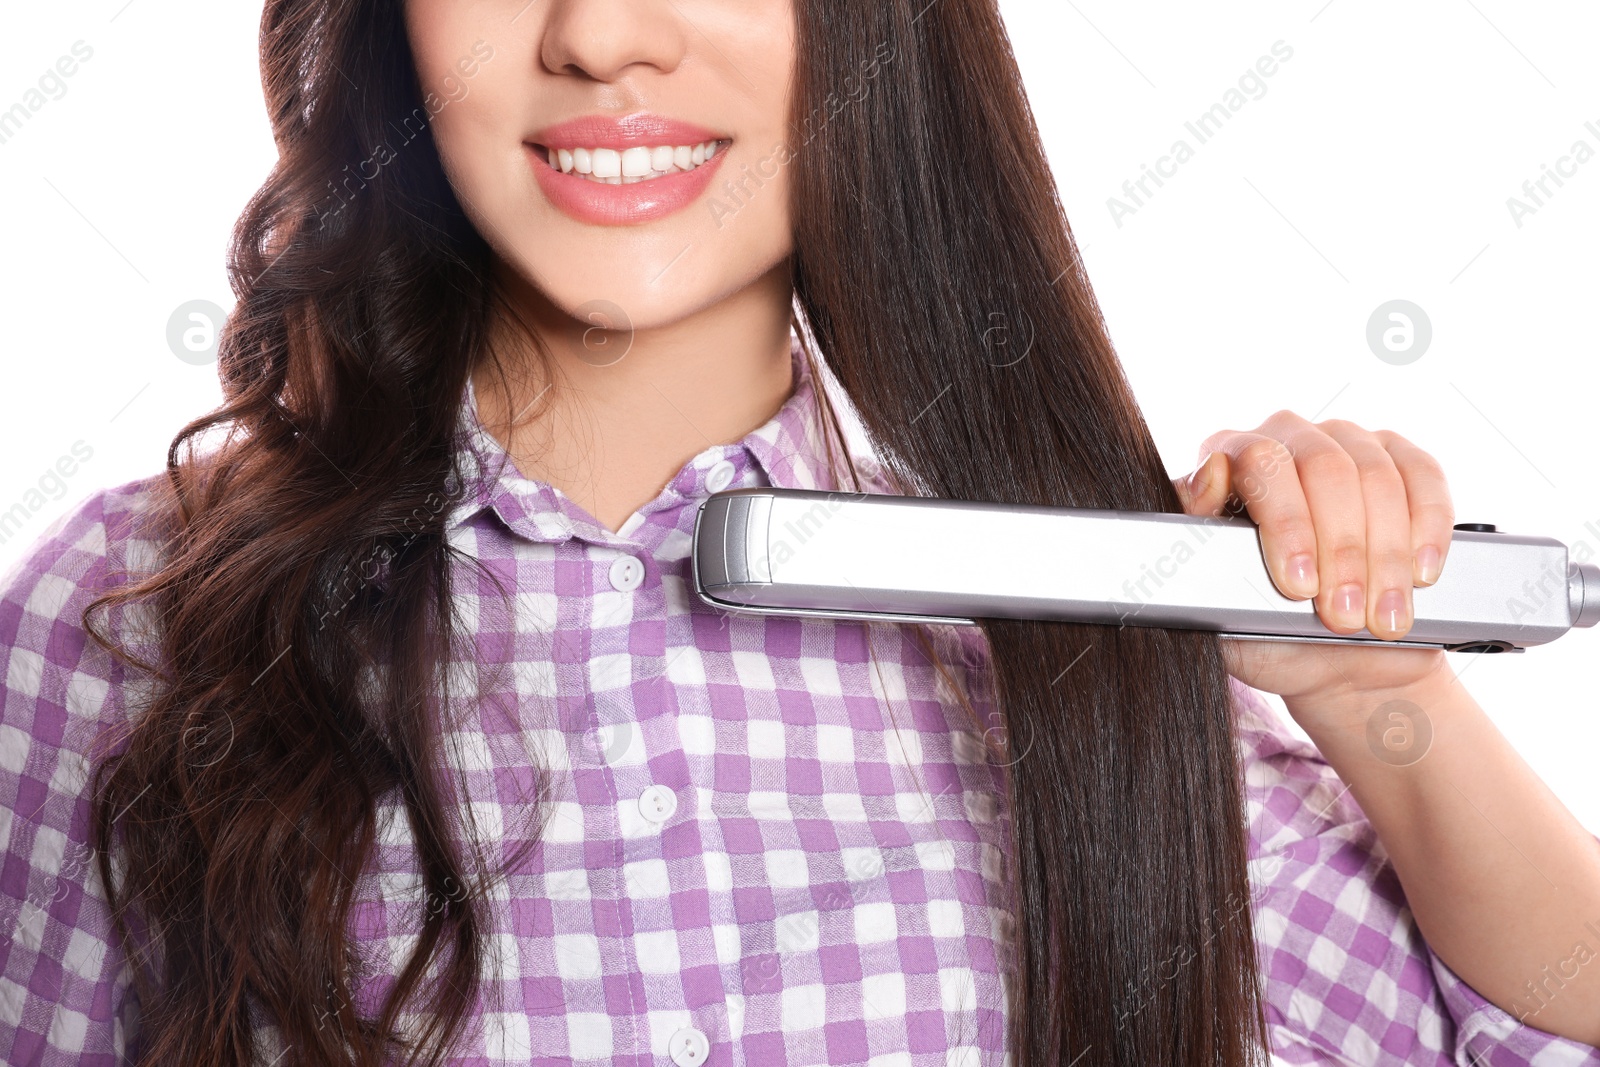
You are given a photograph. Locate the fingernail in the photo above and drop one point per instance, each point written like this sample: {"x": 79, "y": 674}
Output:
{"x": 1349, "y": 602}
{"x": 1303, "y": 574}
{"x": 1428, "y": 564}
{"x": 1392, "y": 610}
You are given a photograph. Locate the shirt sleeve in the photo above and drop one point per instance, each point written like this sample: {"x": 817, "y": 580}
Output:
{"x": 1348, "y": 978}
{"x": 64, "y": 982}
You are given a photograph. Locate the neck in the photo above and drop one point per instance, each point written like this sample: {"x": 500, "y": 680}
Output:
{"x": 609, "y": 417}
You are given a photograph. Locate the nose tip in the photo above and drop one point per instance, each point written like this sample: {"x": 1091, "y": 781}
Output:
{"x": 604, "y": 40}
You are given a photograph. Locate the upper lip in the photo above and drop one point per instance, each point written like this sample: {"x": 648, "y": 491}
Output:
{"x": 642, "y": 130}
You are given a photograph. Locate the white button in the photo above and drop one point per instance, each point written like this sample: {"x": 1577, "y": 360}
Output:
{"x": 626, "y": 573}
{"x": 657, "y": 804}
{"x": 689, "y": 1047}
{"x": 718, "y": 478}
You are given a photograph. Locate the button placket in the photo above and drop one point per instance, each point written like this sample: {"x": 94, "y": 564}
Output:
{"x": 651, "y": 787}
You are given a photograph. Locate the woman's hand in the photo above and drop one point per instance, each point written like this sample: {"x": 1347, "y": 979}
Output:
{"x": 1351, "y": 517}
{"x": 1498, "y": 874}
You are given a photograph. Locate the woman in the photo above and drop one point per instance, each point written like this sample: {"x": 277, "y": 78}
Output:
{"x": 385, "y": 727}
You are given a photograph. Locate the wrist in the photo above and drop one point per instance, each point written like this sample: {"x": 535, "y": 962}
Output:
{"x": 1350, "y": 706}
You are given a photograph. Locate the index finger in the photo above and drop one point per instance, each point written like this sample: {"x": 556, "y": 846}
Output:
{"x": 1263, "y": 475}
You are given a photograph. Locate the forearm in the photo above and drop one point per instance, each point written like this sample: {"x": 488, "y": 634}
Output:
{"x": 1503, "y": 881}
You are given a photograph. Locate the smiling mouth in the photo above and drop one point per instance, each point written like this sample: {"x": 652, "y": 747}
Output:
{"x": 628, "y": 166}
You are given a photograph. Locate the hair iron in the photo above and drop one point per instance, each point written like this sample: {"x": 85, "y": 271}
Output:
{"x": 919, "y": 559}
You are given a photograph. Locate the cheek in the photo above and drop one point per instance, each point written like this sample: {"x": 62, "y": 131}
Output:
{"x": 748, "y": 204}
{"x": 446, "y": 46}
{"x": 748, "y": 207}
{"x": 465, "y": 147}
{"x": 460, "y": 82}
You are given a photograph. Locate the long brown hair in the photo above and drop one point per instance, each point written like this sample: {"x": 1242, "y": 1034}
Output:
{"x": 303, "y": 601}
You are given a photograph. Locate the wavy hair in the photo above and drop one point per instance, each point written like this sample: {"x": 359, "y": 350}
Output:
{"x": 303, "y": 599}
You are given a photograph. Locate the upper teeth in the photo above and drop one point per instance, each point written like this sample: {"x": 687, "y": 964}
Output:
{"x": 632, "y": 164}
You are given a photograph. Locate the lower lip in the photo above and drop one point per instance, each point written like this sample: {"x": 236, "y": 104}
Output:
{"x": 622, "y": 205}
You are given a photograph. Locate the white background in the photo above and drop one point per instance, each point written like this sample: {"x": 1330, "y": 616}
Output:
{"x": 1376, "y": 166}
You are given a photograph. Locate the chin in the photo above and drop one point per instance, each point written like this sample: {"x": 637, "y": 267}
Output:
{"x": 647, "y": 293}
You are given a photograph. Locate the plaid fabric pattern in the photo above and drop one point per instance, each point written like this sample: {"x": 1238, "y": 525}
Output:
{"x": 764, "y": 841}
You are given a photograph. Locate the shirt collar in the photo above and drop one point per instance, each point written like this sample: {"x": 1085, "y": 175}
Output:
{"x": 786, "y": 451}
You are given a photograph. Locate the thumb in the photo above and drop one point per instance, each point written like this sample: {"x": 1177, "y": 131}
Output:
{"x": 1206, "y": 490}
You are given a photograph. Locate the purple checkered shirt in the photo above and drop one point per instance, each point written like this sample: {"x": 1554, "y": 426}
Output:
{"x": 770, "y": 841}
